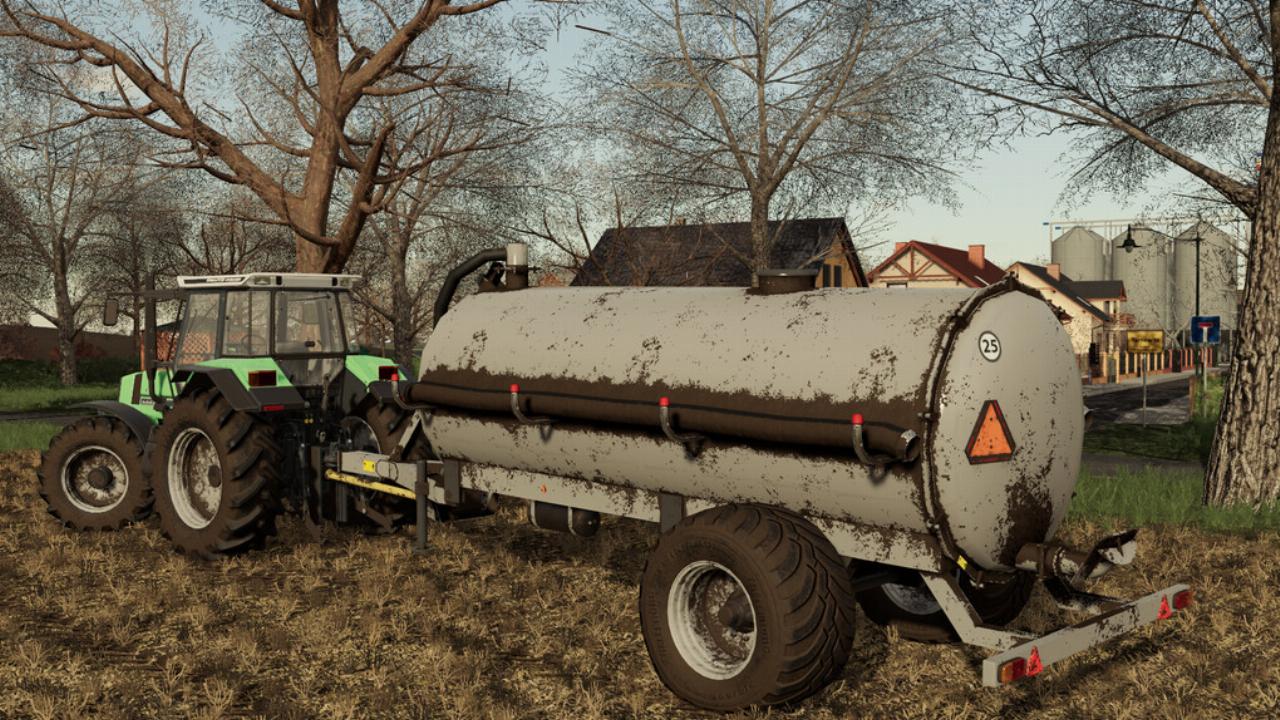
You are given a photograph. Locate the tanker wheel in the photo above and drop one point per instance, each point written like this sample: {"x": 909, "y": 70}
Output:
{"x": 215, "y": 471}
{"x": 744, "y": 605}
{"x": 376, "y": 427}
{"x": 911, "y": 608}
{"x": 91, "y": 476}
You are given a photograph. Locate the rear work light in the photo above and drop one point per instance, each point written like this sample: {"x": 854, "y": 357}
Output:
{"x": 389, "y": 372}
{"x": 262, "y": 378}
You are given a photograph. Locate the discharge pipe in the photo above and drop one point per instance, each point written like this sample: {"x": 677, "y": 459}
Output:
{"x": 468, "y": 266}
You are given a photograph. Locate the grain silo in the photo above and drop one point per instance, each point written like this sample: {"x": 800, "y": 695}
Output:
{"x": 1217, "y": 275}
{"x": 1145, "y": 270}
{"x": 1081, "y": 253}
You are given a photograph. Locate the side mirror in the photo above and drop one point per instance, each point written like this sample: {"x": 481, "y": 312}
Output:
{"x": 111, "y": 312}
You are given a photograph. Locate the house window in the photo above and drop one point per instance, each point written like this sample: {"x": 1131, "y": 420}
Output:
{"x": 897, "y": 285}
{"x": 826, "y": 275}
{"x": 836, "y": 272}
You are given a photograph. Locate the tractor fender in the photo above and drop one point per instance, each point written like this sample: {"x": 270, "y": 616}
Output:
{"x": 139, "y": 424}
{"x": 237, "y": 395}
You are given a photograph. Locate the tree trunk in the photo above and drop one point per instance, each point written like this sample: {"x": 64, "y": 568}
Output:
{"x": 403, "y": 331}
{"x": 1244, "y": 466}
{"x": 66, "y": 335}
{"x": 761, "y": 242}
{"x": 308, "y": 256}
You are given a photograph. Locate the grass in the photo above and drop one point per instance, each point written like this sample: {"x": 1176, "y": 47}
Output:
{"x": 35, "y": 373}
{"x": 22, "y": 435}
{"x": 500, "y": 620}
{"x": 1154, "y": 497}
{"x": 29, "y": 399}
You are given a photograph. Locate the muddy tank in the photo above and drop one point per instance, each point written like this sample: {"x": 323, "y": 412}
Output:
{"x": 970, "y": 407}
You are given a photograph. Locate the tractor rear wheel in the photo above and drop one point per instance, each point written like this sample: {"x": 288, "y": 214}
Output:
{"x": 744, "y": 605}
{"x": 92, "y": 476}
{"x": 911, "y": 608}
{"x": 215, "y": 471}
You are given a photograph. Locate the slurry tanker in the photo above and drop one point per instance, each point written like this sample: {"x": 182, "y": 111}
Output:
{"x": 801, "y": 452}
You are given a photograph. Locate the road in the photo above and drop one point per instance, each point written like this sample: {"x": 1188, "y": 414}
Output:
{"x": 1109, "y": 406}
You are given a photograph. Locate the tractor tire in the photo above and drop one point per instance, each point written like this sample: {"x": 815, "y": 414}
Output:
{"x": 917, "y": 616}
{"x": 92, "y": 476}
{"x": 386, "y": 422}
{"x": 743, "y": 606}
{"x": 215, "y": 473}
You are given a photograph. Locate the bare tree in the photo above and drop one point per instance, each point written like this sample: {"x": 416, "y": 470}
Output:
{"x": 1149, "y": 85}
{"x": 136, "y": 247}
{"x": 819, "y": 103}
{"x": 309, "y": 67}
{"x": 63, "y": 184}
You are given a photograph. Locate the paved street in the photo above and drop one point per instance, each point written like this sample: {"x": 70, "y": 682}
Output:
{"x": 1167, "y": 401}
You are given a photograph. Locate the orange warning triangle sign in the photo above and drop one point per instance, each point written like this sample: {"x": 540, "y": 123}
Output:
{"x": 990, "y": 440}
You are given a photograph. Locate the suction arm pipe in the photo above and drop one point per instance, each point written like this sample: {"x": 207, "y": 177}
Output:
{"x": 462, "y": 270}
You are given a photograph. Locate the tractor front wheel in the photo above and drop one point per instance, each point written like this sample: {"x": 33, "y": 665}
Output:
{"x": 91, "y": 476}
{"x": 215, "y": 471}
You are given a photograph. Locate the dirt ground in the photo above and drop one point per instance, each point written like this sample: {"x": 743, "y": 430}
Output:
{"x": 503, "y": 620}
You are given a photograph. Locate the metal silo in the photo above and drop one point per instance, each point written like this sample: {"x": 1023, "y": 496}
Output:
{"x": 1080, "y": 252}
{"x": 1217, "y": 275}
{"x": 1145, "y": 272}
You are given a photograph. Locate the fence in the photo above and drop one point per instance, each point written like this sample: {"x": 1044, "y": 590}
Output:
{"x": 1116, "y": 366}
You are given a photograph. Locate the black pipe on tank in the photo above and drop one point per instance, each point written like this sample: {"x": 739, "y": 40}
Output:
{"x": 455, "y": 276}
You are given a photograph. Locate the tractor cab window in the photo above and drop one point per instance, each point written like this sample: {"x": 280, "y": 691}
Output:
{"x": 349, "y": 321}
{"x": 307, "y": 323}
{"x": 245, "y": 330}
{"x": 199, "y": 328}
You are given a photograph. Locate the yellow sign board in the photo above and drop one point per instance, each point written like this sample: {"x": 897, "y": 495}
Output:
{"x": 1144, "y": 341}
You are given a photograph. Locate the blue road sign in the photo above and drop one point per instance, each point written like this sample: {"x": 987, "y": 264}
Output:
{"x": 1205, "y": 329}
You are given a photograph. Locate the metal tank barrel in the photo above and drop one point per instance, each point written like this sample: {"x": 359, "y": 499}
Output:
{"x": 970, "y": 408}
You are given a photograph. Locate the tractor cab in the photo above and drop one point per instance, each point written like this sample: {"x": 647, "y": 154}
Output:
{"x": 303, "y": 323}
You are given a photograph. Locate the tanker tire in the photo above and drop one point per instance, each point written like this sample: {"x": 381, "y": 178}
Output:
{"x": 998, "y": 604}
{"x": 237, "y": 510}
{"x": 388, "y": 422}
{"x": 104, "y": 441}
{"x": 794, "y": 585}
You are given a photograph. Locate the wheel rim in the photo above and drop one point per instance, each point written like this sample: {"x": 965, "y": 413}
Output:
{"x": 94, "y": 479}
{"x": 712, "y": 620}
{"x": 195, "y": 478}
{"x": 915, "y": 599}
{"x": 363, "y": 438}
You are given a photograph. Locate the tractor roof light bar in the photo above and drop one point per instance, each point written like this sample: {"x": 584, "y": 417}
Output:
{"x": 267, "y": 281}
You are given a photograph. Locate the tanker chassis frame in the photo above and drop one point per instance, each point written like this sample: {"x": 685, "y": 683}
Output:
{"x": 1019, "y": 654}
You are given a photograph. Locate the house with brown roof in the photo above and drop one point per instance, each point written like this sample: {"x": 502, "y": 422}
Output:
{"x": 719, "y": 254}
{"x": 1086, "y": 324}
{"x": 921, "y": 264}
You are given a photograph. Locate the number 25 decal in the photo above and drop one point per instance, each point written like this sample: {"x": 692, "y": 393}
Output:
{"x": 989, "y": 345}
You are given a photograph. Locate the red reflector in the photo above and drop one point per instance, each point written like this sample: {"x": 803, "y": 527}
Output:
{"x": 1166, "y": 612}
{"x": 272, "y": 408}
{"x": 389, "y": 372}
{"x": 1034, "y": 666}
{"x": 1182, "y": 600}
{"x": 262, "y": 378}
{"x": 515, "y": 388}
{"x": 664, "y": 402}
{"x": 1015, "y": 669}
{"x": 857, "y": 418}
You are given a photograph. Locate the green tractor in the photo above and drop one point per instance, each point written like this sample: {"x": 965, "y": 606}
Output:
{"x": 218, "y": 438}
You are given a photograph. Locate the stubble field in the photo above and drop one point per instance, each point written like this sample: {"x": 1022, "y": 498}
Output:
{"x": 506, "y": 621}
